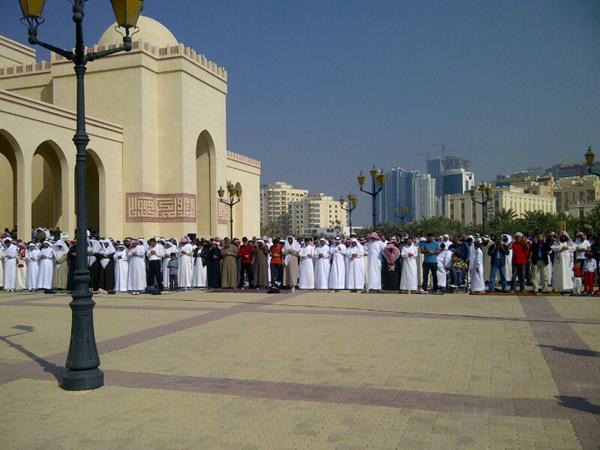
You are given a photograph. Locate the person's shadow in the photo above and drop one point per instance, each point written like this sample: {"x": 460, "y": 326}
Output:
{"x": 48, "y": 366}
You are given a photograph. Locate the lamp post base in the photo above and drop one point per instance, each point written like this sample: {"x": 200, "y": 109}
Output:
{"x": 82, "y": 380}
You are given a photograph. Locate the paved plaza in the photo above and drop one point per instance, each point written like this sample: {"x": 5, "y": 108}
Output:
{"x": 309, "y": 370}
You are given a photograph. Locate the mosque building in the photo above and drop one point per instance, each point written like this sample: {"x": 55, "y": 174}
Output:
{"x": 157, "y": 122}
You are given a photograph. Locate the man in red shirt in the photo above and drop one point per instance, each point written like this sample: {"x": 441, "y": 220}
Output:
{"x": 246, "y": 256}
{"x": 520, "y": 256}
{"x": 276, "y": 263}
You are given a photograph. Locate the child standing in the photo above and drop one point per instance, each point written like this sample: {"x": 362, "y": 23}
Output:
{"x": 589, "y": 270}
{"x": 577, "y": 277}
{"x": 173, "y": 266}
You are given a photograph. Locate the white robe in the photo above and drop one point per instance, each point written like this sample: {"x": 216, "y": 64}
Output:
{"x": 409, "y": 280}
{"x": 337, "y": 274}
{"x": 1, "y": 265}
{"x": 137, "y": 269}
{"x": 46, "y": 269}
{"x": 10, "y": 267}
{"x": 476, "y": 271}
{"x": 307, "y": 271}
{"x": 121, "y": 270}
{"x": 21, "y": 282}
{"x": 374, "y": 250}
{"x": 356, "y": 267}
{"x": 562, "y": 268}
{"x": 186, "y": 266}
{"x": 444, "y": 258}
{"x": 322, "y": 267}
{"x": 169, "y": 249}
{"x": 199, "y": 276}
{"x": 33, "y": 261}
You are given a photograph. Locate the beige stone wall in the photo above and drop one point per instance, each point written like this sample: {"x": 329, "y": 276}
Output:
{"x": 246, "y": 215}
{"x": 13, "y": 53}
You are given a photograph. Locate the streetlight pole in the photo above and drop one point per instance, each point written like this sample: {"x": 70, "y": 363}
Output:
{"x": 589, "y": 160}
{"x": 82, "y": 365}
{"x": 402, "y": 215}
{"x": 234, "y": 192}
{"x": 377, "y": 179}
{"x": 352, "y": 201}
{"x": 486, "y": 196}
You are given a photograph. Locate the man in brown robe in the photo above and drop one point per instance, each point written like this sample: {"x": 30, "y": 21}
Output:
{"x": 229, "y": 276}
{"x": 261, "y": 265}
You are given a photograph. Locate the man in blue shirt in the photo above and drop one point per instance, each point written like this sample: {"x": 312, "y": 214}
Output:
{"x": 430, "y": 249}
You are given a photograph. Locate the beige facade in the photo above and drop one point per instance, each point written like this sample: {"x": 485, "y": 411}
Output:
{"x": 275, "y": 199}
{"x": 577, "y": 194}
{"x": 462, "y": 208}
{"x": 317, "y": 214}
{"x": 158, "y": 141}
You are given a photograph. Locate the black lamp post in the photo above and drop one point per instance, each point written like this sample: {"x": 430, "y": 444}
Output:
{"x": 377, "y": 179}
{"x": 234, "y": 192}
{"x": 589, "y": 160}
{"x": 351, "y": 201}
{"x": 486, "y": 196}
{"x": 82, "y": 366}
{"x": 401, "y": 214}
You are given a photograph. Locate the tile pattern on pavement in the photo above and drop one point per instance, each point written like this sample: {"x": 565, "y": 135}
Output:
{"x": 310, "y": 370}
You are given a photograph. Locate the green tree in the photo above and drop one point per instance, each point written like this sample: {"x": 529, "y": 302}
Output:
{"x": 272, "y": 229}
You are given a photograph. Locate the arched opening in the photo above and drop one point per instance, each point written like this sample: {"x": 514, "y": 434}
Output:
{"x": 46, "y": 186}
{"x": 204, "y": 184}
{"x": 8, "y": 183}
{"x": 93, "y": 174}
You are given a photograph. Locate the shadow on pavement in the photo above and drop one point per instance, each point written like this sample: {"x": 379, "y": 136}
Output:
{"x": 578, "y": 403}
{"x": 573, "y": 351}
{"x": 48, "y": 366}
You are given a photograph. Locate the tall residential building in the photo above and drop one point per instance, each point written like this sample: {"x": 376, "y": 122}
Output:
{"x": 275, "y": 199}
{"x": 438, "y": 167}
{"x": 317, "y": 214}
{"x": 456, "y": 181}
{"x": 412, "y": 189}
{"x": 462, "y": 208}
{"x": 577, "y": 195}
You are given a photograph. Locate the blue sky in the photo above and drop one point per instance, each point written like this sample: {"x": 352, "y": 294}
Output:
{"x": 320, "y": 89}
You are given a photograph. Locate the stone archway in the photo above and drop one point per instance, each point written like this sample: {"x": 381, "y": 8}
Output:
{"x": 205, "y": 185}
{"x": 94, "y": 189}
{"x": 47, "y": 187}
{"x": 8, "y": 181}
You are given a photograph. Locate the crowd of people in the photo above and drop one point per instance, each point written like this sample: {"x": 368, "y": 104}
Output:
{"x": 408, "y": 264}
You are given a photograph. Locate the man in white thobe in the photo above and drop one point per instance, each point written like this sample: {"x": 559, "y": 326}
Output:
{"x": 10, "y": 265}
{"x": 186, "y": 263}
{"x": 121, "y": 268}
{"x": 562, "y": 276}
{"x": 46, "y": 267}
{"x": 374, "y": 248}
{"x": 322, "y": 265}
{"x": 409, "y": 279}
{"x": 33, "y": 260}
{"x": 337, "y": 274}
{"x": 356, "y": 266}
{"x": 307, "y": 268}
{"x": 137, "y": 268}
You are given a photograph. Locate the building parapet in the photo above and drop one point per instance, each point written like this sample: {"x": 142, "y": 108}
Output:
{"x": 243, "y": 159}
{"x": 25, "y": 69}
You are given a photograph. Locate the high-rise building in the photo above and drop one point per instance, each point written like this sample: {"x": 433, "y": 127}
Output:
{"x": 456, "y": 181}
{"x": 275, "y": 199}
{"x": 411, "y": 189}
{"x": 317, "y": 214}
{"x": 438, "y": 167}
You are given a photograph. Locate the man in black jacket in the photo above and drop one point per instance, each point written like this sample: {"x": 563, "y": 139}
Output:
{"x": 539, "y": 262}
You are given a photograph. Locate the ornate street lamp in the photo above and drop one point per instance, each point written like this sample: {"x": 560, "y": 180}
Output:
{"x": 401, "y": 214}
{"x": 589, "y": 160}
{"x": 82, "y": 366}
{"x": 377, "y": 180}
{"x": 235, "y": 196}
{"x": 486, "y": 196}
{"x": 351, "y": 201}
